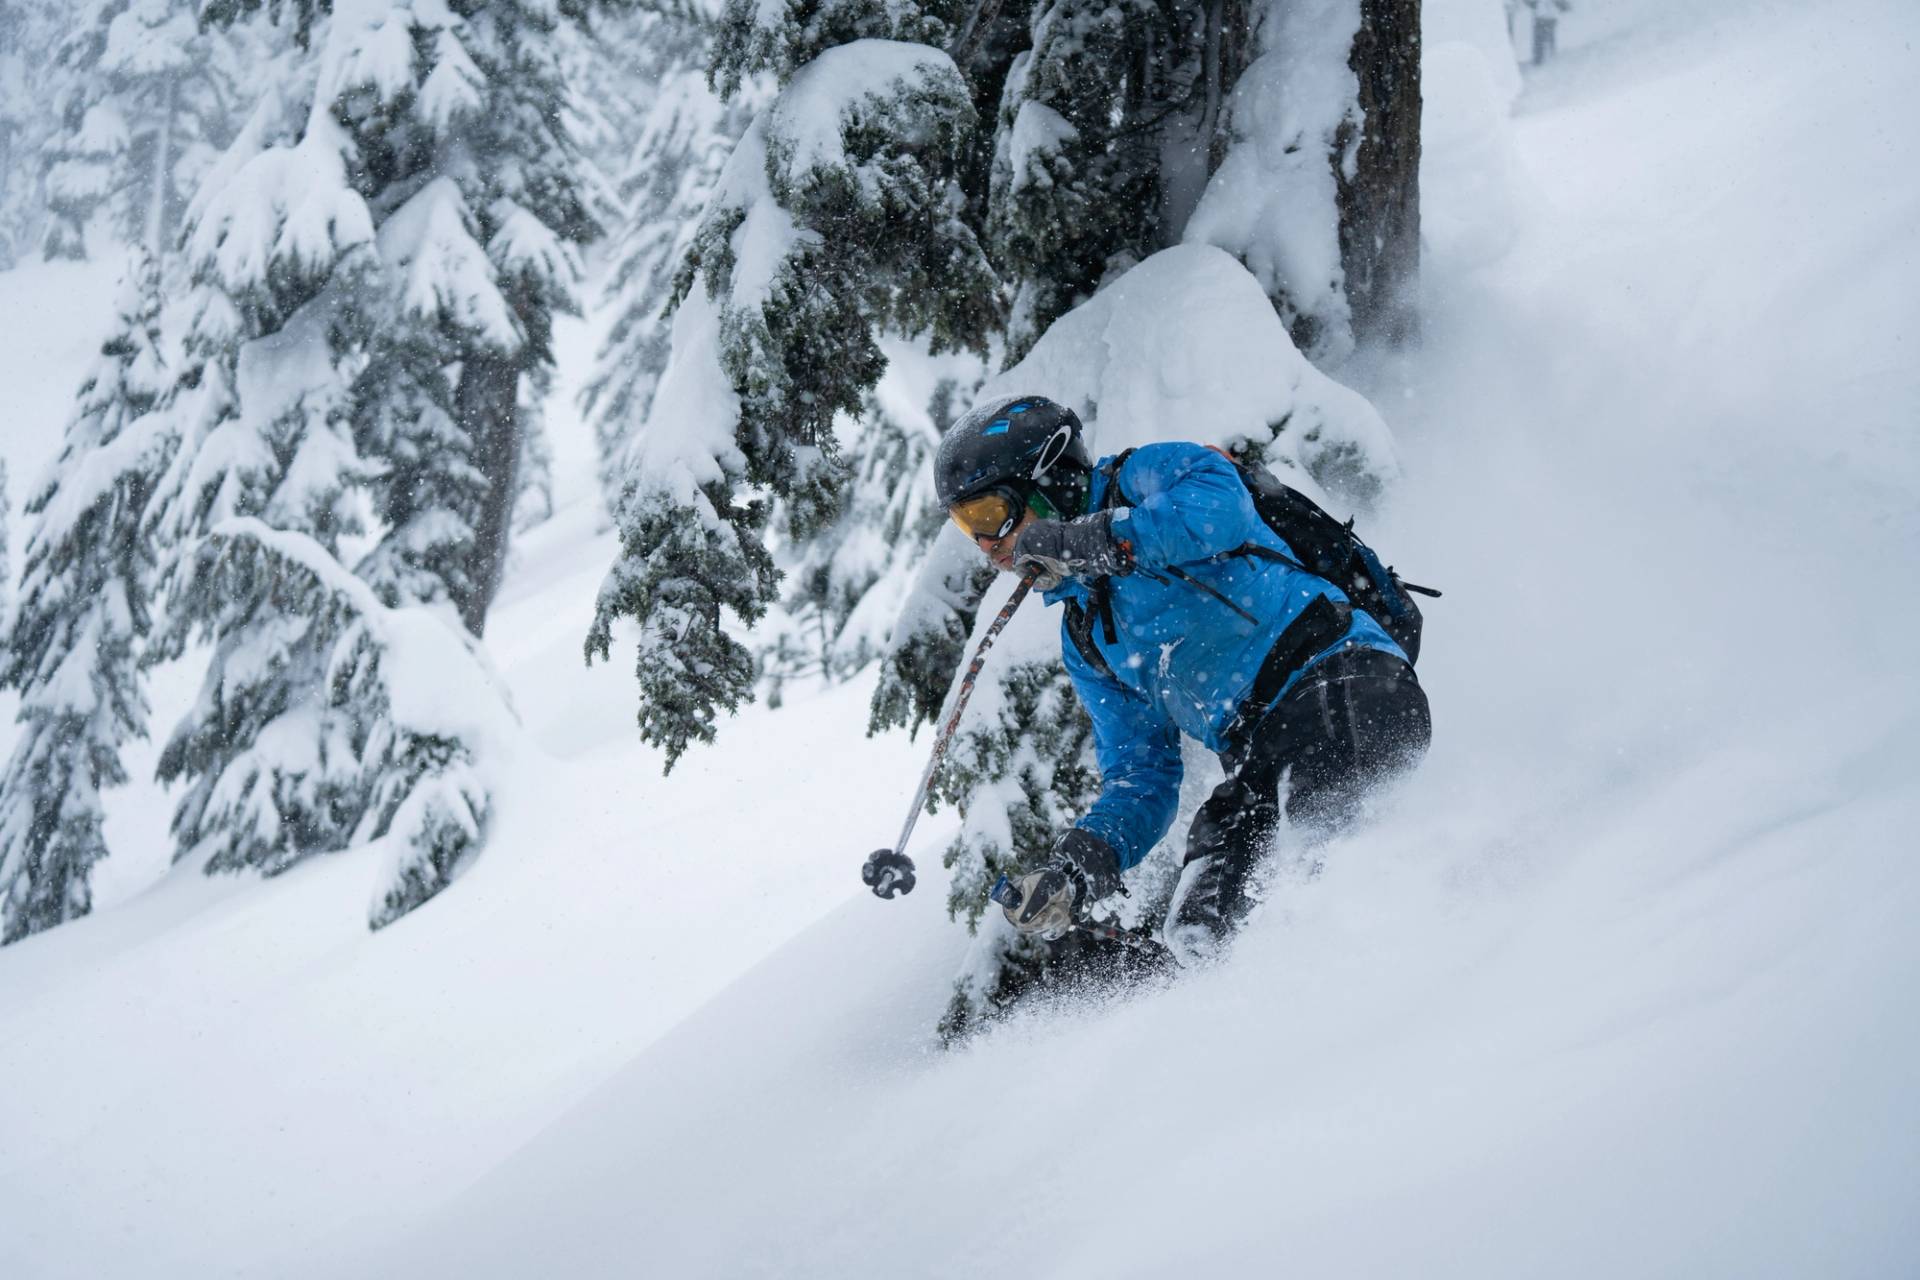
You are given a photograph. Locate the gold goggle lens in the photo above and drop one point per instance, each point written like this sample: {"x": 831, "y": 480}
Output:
{"x": 991, "y": 515}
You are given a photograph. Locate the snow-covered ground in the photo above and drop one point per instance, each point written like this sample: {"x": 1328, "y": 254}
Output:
{"x": 1620, "y": 984}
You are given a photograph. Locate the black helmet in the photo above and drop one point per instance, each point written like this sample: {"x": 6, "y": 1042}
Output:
{"x": 1020, "y": 444}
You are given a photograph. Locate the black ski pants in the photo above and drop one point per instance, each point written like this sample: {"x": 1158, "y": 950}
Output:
{"x": 1353, "y": 719}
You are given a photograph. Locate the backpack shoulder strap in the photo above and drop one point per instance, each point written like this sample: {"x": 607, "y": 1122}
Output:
{"x": 1114, "y": 497}
{"x": 1099, "y": 607}
{"x": 1080, "y": 630}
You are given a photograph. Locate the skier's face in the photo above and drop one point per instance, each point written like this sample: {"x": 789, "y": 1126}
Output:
{"x": 1000, "y": 550}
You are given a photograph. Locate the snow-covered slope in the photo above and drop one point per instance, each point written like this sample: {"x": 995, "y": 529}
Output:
{"x": 215, "y": 1072}
{"x": 1618, "y": 985}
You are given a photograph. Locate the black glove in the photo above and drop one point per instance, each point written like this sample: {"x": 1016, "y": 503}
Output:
{"x": 1047, "y": 902}
{"x": 1083, "y": 548}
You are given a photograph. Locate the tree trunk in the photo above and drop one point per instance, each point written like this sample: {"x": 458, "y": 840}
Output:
{"x": 974, "y": 32}
{"x": 161, "y": 179}
{"x": 1380, "y": 186}
{"x": 6, "y": 181}
{"x": 1230, "y": 49}
{"x": 1193, "y": 142}
{"x": 488, "y": 408}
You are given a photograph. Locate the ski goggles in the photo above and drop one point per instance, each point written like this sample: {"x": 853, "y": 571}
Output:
{"x": 994, "y": 513}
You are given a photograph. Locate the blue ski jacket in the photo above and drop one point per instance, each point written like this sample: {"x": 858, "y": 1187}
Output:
{"x": 1182, "y": 659}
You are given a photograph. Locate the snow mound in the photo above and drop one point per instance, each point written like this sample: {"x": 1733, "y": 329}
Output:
{"x": 1186, "y": 346}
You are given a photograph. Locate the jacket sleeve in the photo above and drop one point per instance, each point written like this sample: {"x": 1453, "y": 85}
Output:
{"x": 1139, "y": 754}
{"x": 1188, "y": 503}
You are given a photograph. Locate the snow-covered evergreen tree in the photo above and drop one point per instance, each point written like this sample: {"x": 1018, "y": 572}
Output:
{"x": 15, "y": 114}
{"x": 1286, "y": 131}
{"x": 838, "y": 220}
{"x": 377, "y": 260}
{"x": 1110, "y": 124}
{"x": 83, "y": 608}
{"x": 533, "y": 503}
{"x": 29, "y": 31}
{"x": 837, "y": 610}
{"x": 672, "y": 164}
{"x": 408, "y": 714}
{"x": 147, "y": 99}
{"x": 481, "y": 216}
{"x": 928, "y": 640}
{"x": 606, "y": 71}
{"x": 262, "y": 408}
{"x": 6, "y": 553}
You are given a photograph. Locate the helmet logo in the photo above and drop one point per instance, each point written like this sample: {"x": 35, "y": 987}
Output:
{"x": 998, "y": 428}
{"x": 1051, "y": 451}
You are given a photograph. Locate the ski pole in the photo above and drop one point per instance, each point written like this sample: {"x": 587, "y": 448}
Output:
{"x": 890, "y": 871}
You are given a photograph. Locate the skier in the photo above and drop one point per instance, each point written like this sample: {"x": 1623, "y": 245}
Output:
{"x": 1546, "y": 27}
{"x": 1184, "y": 613}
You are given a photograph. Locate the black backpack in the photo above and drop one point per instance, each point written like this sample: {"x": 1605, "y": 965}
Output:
{"x": 1330, "y": 549}
{"x": 1327, "y": 548}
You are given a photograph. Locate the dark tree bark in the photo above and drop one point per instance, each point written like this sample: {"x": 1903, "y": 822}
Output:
{"x": 487, "y": 406}
{"x": 1229, "y": 52}
{"x": 1202, "y": 125}
{"x": 1380, "y": 201}
{"x": 973, "y": 32}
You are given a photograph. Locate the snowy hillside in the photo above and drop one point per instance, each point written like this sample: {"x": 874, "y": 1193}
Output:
{"x": 1620, "y": 984}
